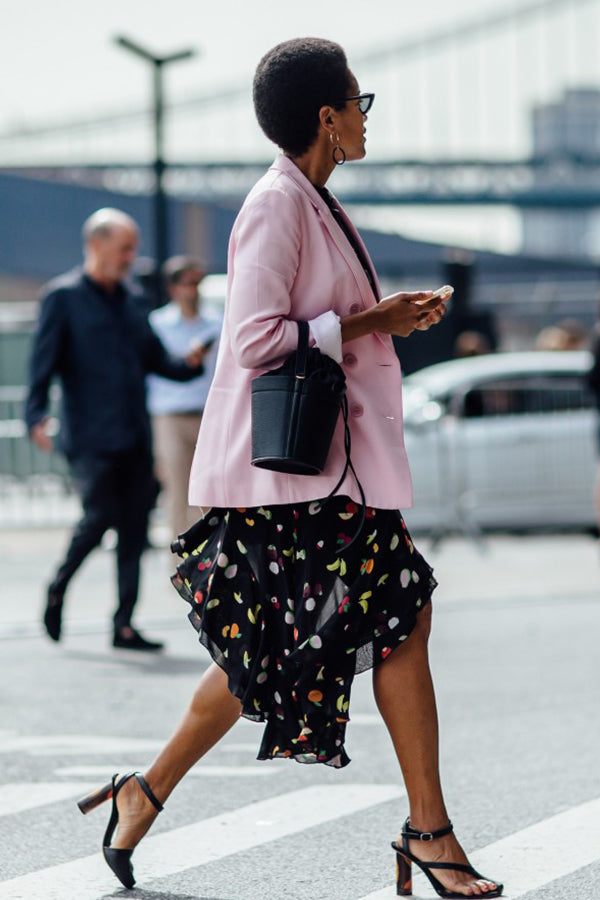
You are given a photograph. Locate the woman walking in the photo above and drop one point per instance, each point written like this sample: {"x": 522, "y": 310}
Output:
{"x": 294, "y": 591}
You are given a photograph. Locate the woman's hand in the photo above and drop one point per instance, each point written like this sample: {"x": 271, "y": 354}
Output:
{"x": 403, "y": 313}
{"x": 397, "y": 314}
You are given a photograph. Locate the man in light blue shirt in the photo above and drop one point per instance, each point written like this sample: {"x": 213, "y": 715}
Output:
{"x": 176, "y": 409}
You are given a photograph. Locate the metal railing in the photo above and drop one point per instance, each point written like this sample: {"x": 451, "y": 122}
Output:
{"x": 35, "y": 488}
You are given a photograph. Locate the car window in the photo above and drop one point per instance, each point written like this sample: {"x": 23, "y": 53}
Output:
{"x": 525, "y": 395}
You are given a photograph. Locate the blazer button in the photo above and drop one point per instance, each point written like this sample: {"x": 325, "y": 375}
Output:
{"x": 355, "y": 308}
{"x": 349, "y": 359}
{"x": 356, "y": 410}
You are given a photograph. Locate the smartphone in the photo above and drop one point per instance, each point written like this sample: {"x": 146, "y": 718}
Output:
{"x": 446, "y": 292}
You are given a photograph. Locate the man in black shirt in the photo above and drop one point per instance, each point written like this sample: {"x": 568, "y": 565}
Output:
{"x": 93, "y": 337}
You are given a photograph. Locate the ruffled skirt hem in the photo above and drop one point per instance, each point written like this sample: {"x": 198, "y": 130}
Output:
{"x": 291, "y": 620}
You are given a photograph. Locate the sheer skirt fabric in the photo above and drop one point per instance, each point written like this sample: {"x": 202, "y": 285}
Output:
{"x": 291, "y": 621}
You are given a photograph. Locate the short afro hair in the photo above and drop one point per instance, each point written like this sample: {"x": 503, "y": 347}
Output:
{"x": 292, "y": 82}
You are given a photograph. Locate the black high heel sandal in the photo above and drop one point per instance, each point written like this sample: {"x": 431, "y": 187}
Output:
{"x": 405, "y": 859}
{"x": 119, "y": 860}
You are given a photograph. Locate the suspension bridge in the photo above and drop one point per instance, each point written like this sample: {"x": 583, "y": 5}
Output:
{"x": 564, "y": 182}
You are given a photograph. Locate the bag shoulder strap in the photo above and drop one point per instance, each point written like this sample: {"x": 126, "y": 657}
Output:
{"x": 301, "y": 364}
{"x": 302, "y": 354}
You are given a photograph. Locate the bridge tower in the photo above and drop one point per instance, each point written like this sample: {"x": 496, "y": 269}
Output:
{"x": 569, "y": 127}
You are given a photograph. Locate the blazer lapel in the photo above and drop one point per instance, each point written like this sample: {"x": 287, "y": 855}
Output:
{"x": 360, "y": 241}
{"x": 283, "y": 164}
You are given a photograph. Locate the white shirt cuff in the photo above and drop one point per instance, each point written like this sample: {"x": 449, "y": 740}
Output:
{"x": 326, "y": 330}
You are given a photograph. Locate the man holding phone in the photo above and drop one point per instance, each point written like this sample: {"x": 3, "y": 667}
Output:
{"x": 176, "y": 409}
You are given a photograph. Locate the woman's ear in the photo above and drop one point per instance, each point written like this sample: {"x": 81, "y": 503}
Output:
{"x": 327, "y": 118}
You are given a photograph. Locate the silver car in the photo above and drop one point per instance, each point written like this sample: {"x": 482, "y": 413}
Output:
{"x": 502, "y": 441}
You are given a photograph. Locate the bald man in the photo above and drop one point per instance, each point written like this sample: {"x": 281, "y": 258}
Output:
{"x": 93, "y": 338}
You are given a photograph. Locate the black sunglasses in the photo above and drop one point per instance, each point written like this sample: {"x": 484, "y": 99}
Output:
{"x": 365, "y": 102}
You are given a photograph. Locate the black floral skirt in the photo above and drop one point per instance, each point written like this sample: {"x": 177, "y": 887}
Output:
{"x": 291, "y": 621}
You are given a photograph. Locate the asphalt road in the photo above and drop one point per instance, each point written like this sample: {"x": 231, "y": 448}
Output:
{"x": 517, "y": 669}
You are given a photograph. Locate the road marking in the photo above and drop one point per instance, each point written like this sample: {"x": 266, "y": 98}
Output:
{"x": 260, "y": 769}
{"x": 531, "y": 858}
{"x": 237, "y": 748}
{"x": 365, "y": 719}
{"x": 211, "y": 839}
{"x": 19, "y": 796}
{"x": 116, "y": 745}
{"x": 81, "y": 744}
{"x": 77, "y": 744}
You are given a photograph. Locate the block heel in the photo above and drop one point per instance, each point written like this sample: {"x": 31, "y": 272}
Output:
{"x": 403, "y": 876}
{"x": 91, "y": 801}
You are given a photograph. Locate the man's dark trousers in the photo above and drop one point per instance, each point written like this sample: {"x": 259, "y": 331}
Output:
{"x": 116, "y": 492}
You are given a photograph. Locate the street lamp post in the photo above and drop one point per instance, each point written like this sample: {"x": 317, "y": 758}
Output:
{"x": 161, "y": 240}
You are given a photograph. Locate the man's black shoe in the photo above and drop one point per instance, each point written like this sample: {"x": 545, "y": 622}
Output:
{"x": 53, "y": 615}
{"x": 130, "y": 639}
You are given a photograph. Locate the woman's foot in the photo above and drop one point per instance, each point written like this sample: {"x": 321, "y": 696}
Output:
{"x": 136, "y": 815}
{"x": 447, "y": 850}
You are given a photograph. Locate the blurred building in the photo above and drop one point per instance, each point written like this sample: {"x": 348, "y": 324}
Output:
{"x": 567, "y": 128}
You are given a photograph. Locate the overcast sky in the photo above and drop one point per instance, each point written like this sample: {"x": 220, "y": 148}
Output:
{"x": 58, "y": 61}
{"x": 59, "y": 57}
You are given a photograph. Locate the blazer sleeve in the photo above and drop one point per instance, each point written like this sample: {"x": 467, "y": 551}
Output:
{"x": 266, "y": 253}
{"x": 46, "y": 355}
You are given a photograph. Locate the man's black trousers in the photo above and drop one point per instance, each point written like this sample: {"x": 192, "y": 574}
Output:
{"x": 116, "y": 491}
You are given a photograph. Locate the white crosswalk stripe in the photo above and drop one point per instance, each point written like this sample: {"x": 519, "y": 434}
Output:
{"x": 258, "y": 770}
{"x": 82, "y": 744}
{"x": 212, "y": 839}
{"x": 533, "y": 857}
{"x": 21, "y": 796}
{"x": 76, "y": 744}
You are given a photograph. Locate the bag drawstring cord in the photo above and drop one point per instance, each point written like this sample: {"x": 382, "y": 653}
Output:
{"x": 348, "y": 465}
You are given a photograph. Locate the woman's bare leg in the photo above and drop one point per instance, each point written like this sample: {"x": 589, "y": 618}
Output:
{"x": 405, "y": 697}
{"x": 210, "y": 715}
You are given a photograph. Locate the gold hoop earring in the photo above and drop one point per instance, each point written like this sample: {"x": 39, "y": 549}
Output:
{"x": 340, "y": 159}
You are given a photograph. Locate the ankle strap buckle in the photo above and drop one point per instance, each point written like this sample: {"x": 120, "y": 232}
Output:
{"x": 413, "y": 834}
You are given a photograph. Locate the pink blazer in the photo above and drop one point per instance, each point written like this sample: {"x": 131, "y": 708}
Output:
{"x": 288, "y": 261}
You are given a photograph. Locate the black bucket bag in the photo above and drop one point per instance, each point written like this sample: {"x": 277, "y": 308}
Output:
{"x": 295, "y": 409}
